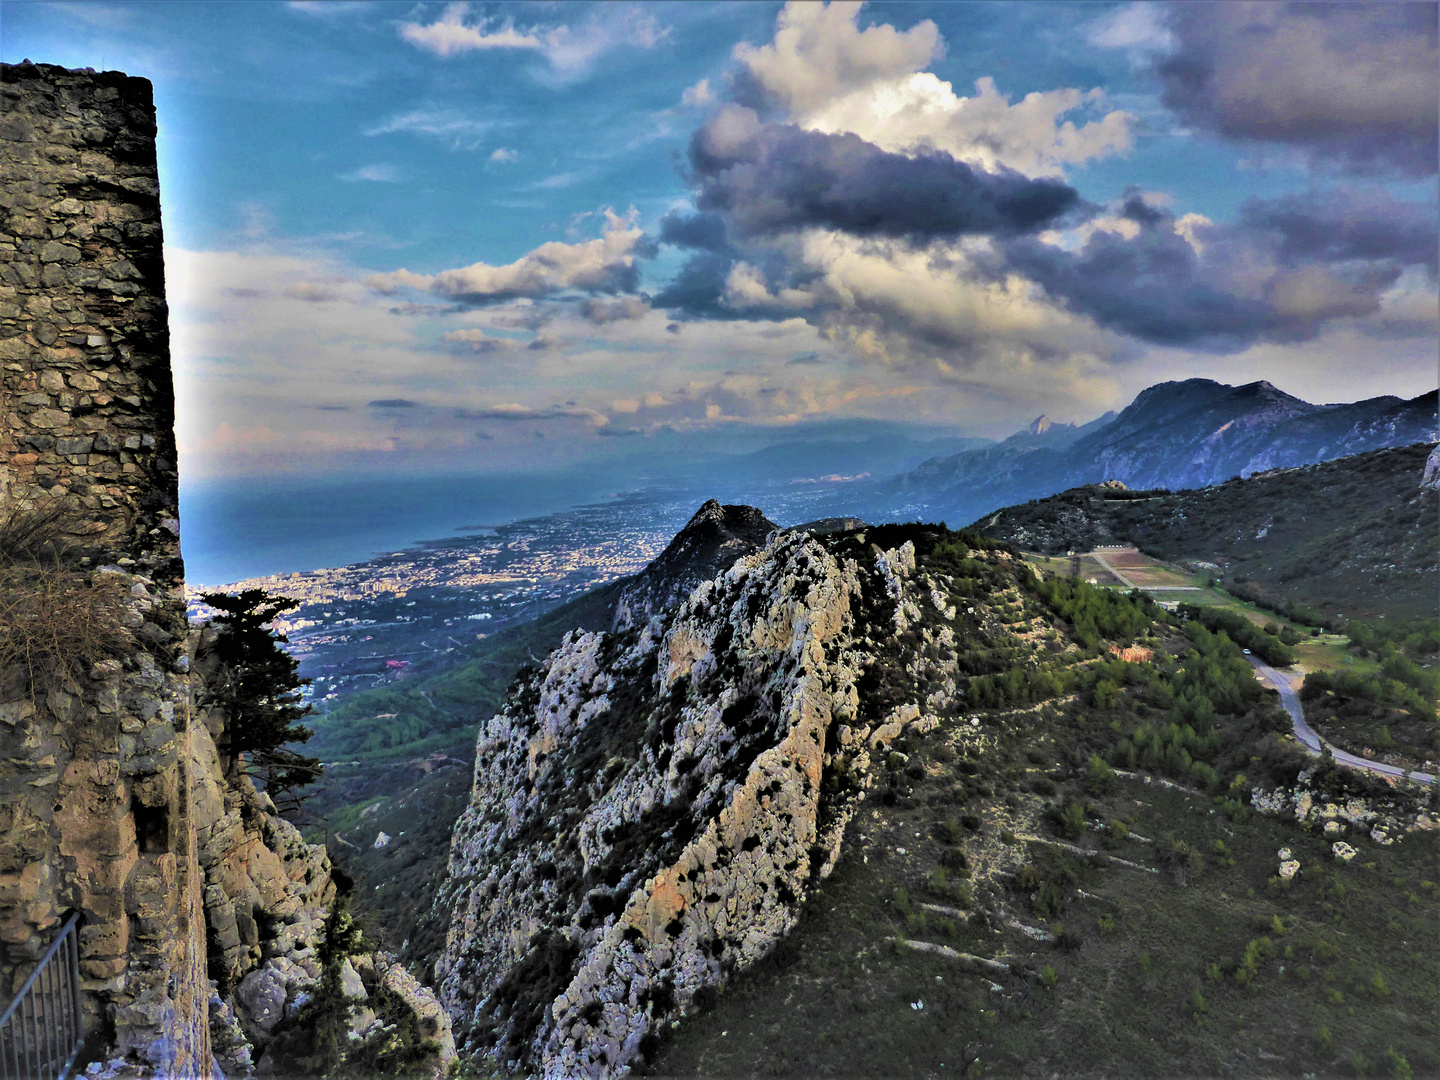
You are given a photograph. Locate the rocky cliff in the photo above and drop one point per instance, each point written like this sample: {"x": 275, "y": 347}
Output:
{"x": 654, "y": 805}
{"x": 711, "y": 541}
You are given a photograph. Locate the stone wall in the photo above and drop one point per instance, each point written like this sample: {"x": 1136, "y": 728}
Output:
{"x": 95, "y": 760}
{"x": 86, "y": 400}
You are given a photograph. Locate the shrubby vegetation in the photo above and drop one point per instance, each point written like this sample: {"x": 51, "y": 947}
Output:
{"x": 1096, "y": 614}
{"x": 1242, "y": 631}
{"x": 258, "y": 686}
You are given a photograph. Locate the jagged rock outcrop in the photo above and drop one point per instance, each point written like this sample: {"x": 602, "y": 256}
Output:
{"x": 653, "y": 805}
{"x": 710, "y": 542}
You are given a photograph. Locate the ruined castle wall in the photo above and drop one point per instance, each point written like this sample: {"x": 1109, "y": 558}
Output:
{"x": 86, "y": 402}
{"x": 95, "y": 758}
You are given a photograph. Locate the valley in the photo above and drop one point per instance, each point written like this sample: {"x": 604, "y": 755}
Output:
{"x": 982, "y": 884}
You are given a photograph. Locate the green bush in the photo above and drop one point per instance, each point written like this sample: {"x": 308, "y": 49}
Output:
{"x": 1071, "y": 821}
{"x": 1198, "y": 1005}
{"x": 1099, "y": 776}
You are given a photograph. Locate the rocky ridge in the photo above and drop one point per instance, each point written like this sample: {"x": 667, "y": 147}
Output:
{"x": 653, "y": 806}
{"x": 1174, "y": 435}
{"x": 711, "y": 541}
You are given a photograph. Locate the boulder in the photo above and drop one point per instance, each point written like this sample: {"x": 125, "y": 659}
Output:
{"x": 261, "y": 996}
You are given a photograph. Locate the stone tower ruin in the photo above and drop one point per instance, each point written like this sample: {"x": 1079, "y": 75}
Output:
{"x": 113, "y": 803}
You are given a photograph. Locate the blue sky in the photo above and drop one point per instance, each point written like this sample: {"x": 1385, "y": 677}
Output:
{"x": 431, "y": 237}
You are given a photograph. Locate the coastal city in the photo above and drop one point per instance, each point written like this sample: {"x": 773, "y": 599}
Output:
{"x": 385, "y": 619}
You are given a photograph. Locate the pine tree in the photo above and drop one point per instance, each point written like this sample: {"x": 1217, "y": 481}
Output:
{"x": 258, "y": 687}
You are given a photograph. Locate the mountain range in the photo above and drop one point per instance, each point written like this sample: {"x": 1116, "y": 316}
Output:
{"x": 1174, "y": 435}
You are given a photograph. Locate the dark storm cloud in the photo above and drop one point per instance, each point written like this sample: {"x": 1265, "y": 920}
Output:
{"x": 769, "y": 178}
{"x": 1337, "y": 226}
{"x": 1281, "y": 273}
{"x": 706, "y": 231}
{"x": 698, "y": 287}
{"x": 1352, "y": 84}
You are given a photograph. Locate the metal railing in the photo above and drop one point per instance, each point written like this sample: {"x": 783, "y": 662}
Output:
{"x": 42, "y": 1029}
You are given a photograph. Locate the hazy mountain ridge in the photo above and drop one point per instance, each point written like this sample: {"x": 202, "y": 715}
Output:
{"x": 1186, "y": 434}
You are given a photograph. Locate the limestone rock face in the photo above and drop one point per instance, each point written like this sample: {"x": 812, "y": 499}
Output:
{"x": 710, "y": 542}
{"x": 653, "y": 805}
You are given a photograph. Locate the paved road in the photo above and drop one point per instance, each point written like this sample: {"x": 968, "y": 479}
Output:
{"x": 1307, "y": 735}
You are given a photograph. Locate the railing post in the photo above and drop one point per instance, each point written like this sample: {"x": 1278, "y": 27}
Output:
{"x": 42, "y": 1029}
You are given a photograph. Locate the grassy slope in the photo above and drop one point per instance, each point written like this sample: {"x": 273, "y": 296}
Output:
{"x": 835, "y": 1000}
{"x": 408, "y": 719}
{"x": 837, "y": 997}
{"x": 1354, "y": 535}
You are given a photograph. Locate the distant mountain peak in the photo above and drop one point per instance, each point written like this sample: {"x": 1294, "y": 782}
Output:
{"x": 1184, "y": 433}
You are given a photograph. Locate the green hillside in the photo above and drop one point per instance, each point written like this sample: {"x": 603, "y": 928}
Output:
{"x": 1071, "y": 881}
{"x": 1354, "y": 537}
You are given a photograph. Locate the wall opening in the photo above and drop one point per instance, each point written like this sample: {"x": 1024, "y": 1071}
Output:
{"x": 152, "y": 828}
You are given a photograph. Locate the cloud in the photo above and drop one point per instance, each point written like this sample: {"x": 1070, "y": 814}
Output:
{"x": 504, "y": 156}
{"x": 514, "y": 411}
{"x": 380, "y": 174}
{"x": 559, "y": 180}
{"x": 1137, "y": 26}
{"x": 603, "y": 265}
{"x": 745, "y": 287}
{"x": 312, "y": 292}
{"x": 392, "y": 403}
{"x": 1284, "y": 270}
{"x": 328, "y": 8}
{"x": 600, "y": 312}
{"x": 1344, "y": 225}
{"x": 819, "y": 53}
{"x": 698, "y": 96}
{"x": 450, "y": 35}
{"x": 461, "y": 131}
{"x": 1351, "y": 85}
{"x": 768, "y": 178}
{"x": 478, "y": 341}
{"x": 570, "y": 50}
{"x": 920, "y": 112}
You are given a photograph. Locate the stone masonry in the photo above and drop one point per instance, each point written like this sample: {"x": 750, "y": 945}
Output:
{"x": 95, "y": 787}
{"x": 202, "y": 909}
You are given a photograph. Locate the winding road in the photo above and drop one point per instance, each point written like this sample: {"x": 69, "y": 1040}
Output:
{"x": 1307, "y": 735}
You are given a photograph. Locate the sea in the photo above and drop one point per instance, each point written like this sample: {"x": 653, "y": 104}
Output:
{"x": 240, "y": 529}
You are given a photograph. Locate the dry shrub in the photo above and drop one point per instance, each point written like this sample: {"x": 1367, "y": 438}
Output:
{"x": 54, "y": 619}
{"x": 49, "y": 533}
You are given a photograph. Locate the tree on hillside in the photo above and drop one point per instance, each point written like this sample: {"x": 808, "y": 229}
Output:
{"x": 258, "y": 686}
